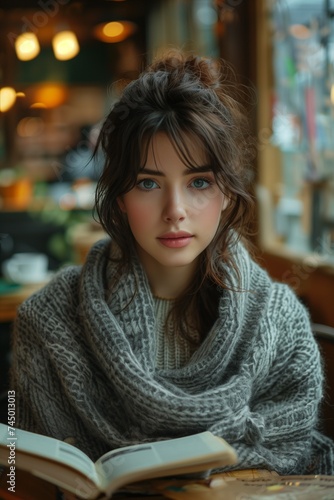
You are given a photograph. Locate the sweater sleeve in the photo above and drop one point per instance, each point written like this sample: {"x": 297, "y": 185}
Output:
{"x": 30, "y": 372}
{"x": 279, "y": 428}
{"x": 25, "y": 349}
{"x": 38, "y": 387}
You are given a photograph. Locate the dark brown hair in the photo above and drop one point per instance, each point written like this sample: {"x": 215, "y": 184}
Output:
{"x": 181, "y": 95}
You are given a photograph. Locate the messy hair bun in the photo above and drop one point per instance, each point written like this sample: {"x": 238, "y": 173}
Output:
{"x": 204, "y": 69}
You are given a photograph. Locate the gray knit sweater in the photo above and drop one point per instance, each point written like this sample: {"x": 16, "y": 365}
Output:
{"x": 84, "y": 369}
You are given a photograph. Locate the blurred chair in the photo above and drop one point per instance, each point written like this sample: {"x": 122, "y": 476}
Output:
{"x": 325, "y": 337}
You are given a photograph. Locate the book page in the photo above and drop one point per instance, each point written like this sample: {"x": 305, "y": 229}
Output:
{"x": 194, "y": 453}
{"x": 45, "y": 447}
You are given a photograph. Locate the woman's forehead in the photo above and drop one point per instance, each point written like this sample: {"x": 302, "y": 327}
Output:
{"x": 187, "y": 147}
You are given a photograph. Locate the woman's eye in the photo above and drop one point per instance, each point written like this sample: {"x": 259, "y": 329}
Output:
{"x": 147, "y": 184}
{"x": 201, "y": 183}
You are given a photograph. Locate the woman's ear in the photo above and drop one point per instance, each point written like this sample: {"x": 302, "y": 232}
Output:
{"x": 121, "y": 204}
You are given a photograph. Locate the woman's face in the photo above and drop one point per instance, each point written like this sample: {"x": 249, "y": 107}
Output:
{"x": 173, "y": 211}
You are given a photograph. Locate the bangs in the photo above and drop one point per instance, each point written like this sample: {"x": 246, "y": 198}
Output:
{"x": 186, "y": 141}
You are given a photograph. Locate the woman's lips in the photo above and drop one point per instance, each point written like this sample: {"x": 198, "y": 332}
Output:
{"x": 175, "y": 241}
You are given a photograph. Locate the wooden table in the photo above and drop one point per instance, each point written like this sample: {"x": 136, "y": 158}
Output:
{"x": 29, "y": 487}
{"x": 225, "y": 486}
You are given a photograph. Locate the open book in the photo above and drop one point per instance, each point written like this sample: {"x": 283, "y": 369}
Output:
{"x": 68, "y": 467}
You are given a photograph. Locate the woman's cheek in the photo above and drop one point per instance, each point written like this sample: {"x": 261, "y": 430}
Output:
{"x": 139, "y": 216}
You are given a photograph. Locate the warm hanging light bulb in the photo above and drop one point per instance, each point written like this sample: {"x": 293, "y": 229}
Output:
{"x": 114, "y": 31}
{"x": 27, "y": 46}
{"x": 7, "y": 98}
{"x": 65, "y": 45}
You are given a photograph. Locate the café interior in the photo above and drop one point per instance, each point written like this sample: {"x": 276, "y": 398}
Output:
{"x": 55, "y": 92}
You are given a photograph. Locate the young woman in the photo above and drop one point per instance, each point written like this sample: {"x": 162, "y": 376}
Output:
{"x": 170, "y": 327}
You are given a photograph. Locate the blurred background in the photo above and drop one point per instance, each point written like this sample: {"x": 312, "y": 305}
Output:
{"x": 61, "y": 62}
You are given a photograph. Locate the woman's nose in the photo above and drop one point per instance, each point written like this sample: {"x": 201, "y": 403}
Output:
{"x": 175, "y": 207}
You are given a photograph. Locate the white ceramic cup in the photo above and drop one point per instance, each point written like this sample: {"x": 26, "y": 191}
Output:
{"x": 25, "y": 268}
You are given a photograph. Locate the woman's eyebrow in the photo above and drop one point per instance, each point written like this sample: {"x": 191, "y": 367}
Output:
{"x": 187, "y": 171}
{"x": 197, "y": 169}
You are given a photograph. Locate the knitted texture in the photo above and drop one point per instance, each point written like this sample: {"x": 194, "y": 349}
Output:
{"x": 84, "y": 368}
{"x": 171, "y": 350}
